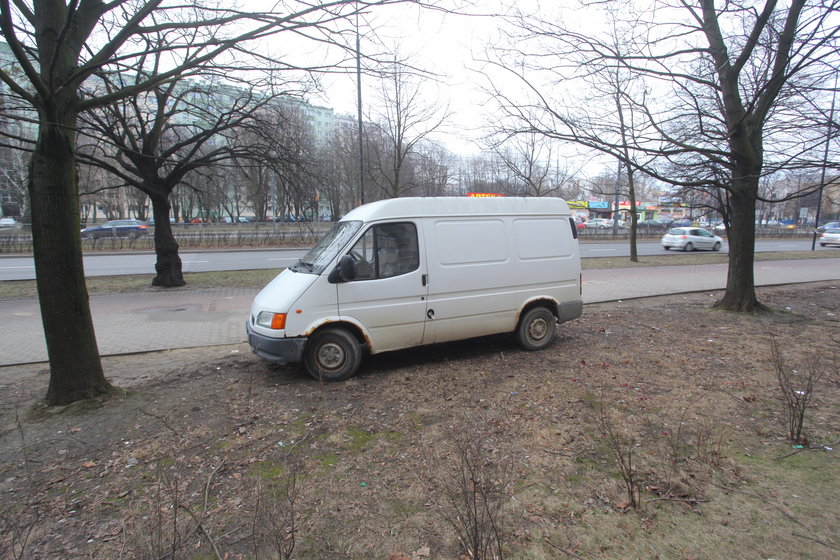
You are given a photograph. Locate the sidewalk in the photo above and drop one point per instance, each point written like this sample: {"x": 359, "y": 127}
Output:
{"x": 184, "y": 318}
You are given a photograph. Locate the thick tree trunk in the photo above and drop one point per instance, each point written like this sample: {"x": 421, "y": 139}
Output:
{"x": 740, "y": 283}
{"x": 168, "y": 265}
{"x": 75, "y": 368}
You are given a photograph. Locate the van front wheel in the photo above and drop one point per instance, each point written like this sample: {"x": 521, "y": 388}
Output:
{"x": 536, "y": 329}
{"x": 332, "y": 355}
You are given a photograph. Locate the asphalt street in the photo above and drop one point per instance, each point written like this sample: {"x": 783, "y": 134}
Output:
{"x": 15, "y": 267}
{"x": 155, "y": 320}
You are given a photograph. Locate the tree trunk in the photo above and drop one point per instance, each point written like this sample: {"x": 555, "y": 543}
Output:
{"x": 740, "y": 283}
{"x": 75, "y": 368}
{"x": 168, "y": 265}
{"x": 631, "y": 190}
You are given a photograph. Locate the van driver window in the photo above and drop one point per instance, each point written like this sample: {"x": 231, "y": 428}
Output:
{"x": 386, "y": 250}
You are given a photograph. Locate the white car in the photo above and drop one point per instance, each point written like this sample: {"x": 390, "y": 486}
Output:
{"x": 691, "y": 238}
{"x": 598, "y": 223}
{"x": 831, "y": 236}
{"x": 8, "y": 223}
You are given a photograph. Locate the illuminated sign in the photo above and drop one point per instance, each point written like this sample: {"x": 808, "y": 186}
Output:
{"x": 626, "y": 204}
{"x": 483, "y": 194}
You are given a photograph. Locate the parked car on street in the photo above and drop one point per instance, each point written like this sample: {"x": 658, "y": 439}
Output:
{"x": 829, "y": 225}
{"x": 598, "y": 223}
{"x": 653, "y": 224}
{"x": 117, "y": 228}
{"x": 691, "y": 238}
{"x": 7, "y": 223}
{"x": 831, "y": 236}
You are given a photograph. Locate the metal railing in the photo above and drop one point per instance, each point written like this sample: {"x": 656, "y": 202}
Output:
{"x": 192, "y": 236}
{"x": 303, "y": 234}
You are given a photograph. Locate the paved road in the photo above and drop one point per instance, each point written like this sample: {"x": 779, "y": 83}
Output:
{"x": 182, "y": 318}
{"x": 22, "y": 267}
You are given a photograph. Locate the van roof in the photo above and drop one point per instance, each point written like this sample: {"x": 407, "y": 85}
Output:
{"x": 419, "y": 207}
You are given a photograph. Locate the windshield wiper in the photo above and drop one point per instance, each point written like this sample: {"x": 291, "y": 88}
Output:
{"x": 302, "y": 266}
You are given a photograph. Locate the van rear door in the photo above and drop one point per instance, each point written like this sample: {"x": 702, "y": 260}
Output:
{"x": 388, "y": 294}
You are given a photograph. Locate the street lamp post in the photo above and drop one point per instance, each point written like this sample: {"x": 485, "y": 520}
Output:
{"x": 359, "y": 110}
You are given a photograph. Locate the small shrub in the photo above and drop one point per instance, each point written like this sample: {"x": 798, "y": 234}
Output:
{"x": 472, "y": 484}
{"x": 797, "y": 387}
{"x": 623, "y": 447}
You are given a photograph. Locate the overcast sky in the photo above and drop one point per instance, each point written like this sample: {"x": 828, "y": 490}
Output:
{"x": 449, "y": 46}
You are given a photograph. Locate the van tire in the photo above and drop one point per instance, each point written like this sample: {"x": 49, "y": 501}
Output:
{"x": 536, "y": 329}
{"x": 332, "y": 355}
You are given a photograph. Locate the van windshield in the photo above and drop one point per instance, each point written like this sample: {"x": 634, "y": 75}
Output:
{"x": 317, "y": 259}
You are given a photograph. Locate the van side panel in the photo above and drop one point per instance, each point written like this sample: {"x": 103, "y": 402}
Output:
{"x": 471, "y": 277}
{"x": 548, "y": 261}
{"x": 484, "y": 270}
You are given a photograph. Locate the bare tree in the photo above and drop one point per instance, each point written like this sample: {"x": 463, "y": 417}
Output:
{"x": 433, "y": 168}
{"x": 533, "y": 165}
{"x": 153, "y": 140}
{"x": 58, "y": 47}
{"x": 404, "y": 120}
{"x": 13, "y": 174}
{"x": 484, "y": 173}
{"x": 731, "y": 95}
{"x": 342, "y": 190}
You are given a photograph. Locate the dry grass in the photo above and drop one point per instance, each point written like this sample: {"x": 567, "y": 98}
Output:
{"x": 695, "y": 387}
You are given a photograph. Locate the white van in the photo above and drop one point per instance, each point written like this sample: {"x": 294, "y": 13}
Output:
{"x": 404, "y": 272}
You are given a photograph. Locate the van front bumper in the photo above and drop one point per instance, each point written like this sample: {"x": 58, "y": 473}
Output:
{"x": 277, "y": 350}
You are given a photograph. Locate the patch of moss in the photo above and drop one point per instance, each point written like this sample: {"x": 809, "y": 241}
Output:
{"x": 268, "y": 470}
{"x": 329, "y": 460}
{"x": 359, "y": 438}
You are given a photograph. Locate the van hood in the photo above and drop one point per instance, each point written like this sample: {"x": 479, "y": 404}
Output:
{"x": 281, "y": 293}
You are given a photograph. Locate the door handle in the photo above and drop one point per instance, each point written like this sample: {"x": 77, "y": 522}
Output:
{"x": 430, "y": 313}
{"x": 425, "y": 279}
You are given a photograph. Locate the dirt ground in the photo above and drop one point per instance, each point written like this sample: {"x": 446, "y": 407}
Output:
{"x": 213, "y": 453}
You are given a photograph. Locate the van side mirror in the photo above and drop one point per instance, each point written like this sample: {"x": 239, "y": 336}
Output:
{"x": 344, "y": 272}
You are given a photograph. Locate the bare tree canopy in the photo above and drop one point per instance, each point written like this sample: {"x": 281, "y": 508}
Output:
{"x": 58, "y": 47}
{"x": 405, "y": 117}
{"x": 717, "y": 95}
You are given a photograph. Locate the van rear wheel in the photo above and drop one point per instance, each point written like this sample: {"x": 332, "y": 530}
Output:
{"x": 332, "y": 355}
{"x": 536, "y": 329}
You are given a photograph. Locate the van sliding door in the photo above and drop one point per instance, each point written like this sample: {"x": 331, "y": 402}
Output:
{"x": 471, "y": 278}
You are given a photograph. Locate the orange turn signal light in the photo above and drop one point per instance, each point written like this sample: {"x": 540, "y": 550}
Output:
{"x": 278, "y": 322}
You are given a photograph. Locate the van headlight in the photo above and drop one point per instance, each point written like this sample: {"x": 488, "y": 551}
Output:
{"x": 269, "y": 320}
